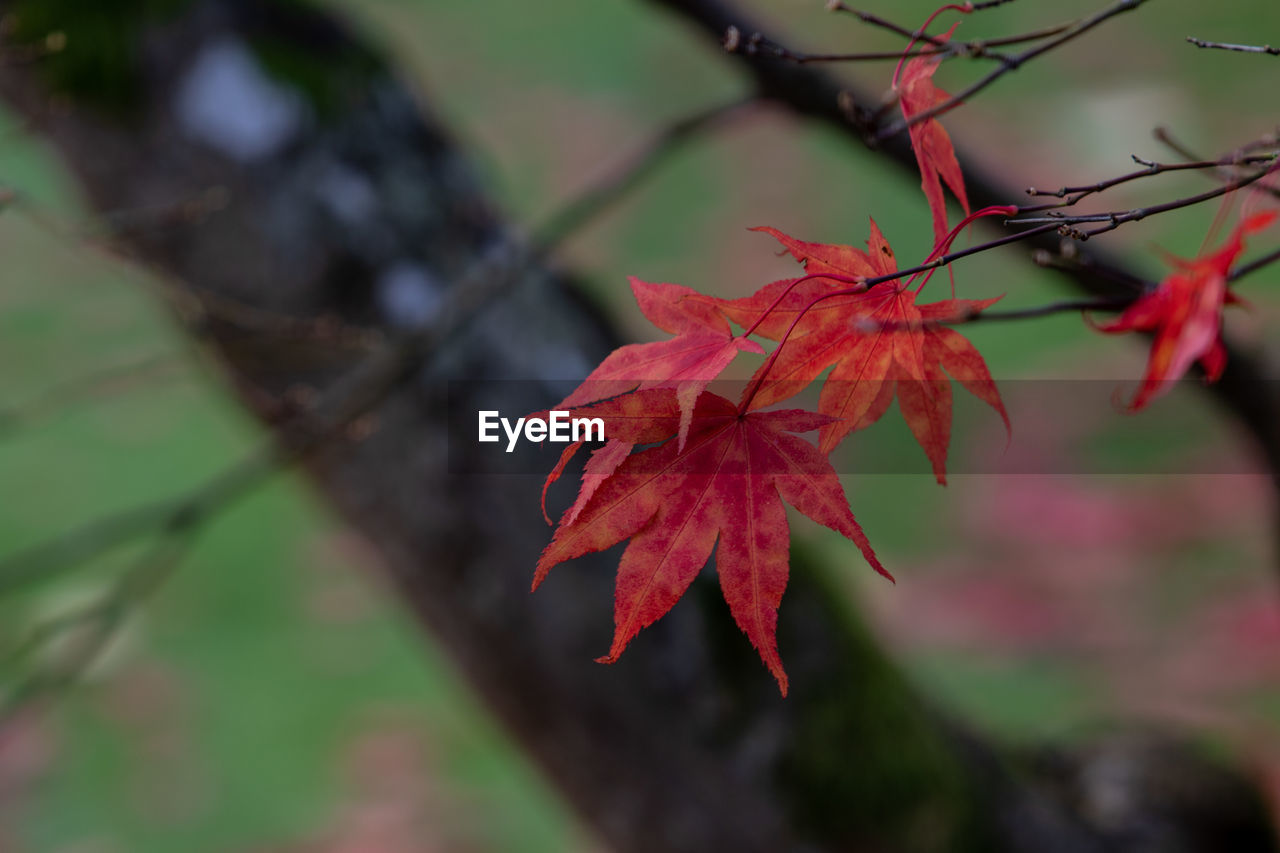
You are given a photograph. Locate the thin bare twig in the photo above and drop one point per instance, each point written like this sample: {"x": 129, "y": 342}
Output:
{"x": 962, "y": 253}
{"x": 1115, "y": 219}
{"x": 1239, "y": 48}
{"x": 1076, "y": 263}
{"x": 1077, "y": 193}
{"x": 1267, "y": 140}
{"x": 757, "y": 44}
{"x": 877, "y": 21}
{"x": 1012, "y": 64}
{"x": 1062, "y": 223}
{"x": 94, "y": 385}
{"x": 635, "y": 170}
{"x": 1225, "y": 172}
{"x": 1164, "y": 136}
{"x": 173, "y": 517}
{"x": 1253, "y": 266}
{"x": 1050, "y": 309}
{"x": 99, "y": 622}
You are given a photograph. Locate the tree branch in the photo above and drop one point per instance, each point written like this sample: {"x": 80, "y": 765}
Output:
{"x": 757, "y": 43}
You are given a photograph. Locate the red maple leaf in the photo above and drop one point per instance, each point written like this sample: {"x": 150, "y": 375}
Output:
{"x": 727, "y": 485}
{"x": 1185, "y": 313}
{"x": 881, "y": 343}
{"x": 604, "y": 461}
{"x": 703, "y": 347}
{"x": 929, "y": 140}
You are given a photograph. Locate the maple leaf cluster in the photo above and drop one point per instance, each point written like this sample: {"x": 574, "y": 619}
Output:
{"x": 686, "y": 472}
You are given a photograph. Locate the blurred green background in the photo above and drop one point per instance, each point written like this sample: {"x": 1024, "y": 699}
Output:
{"x": 275, "y": 660}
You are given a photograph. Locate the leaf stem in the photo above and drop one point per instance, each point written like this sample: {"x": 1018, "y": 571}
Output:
{"x": 833, "y": 276}
{"x": 950, "y": 7}
{"x": 756, "y": 381}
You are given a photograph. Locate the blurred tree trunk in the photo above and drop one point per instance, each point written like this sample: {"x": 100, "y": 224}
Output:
{"x": 274, "y": 168}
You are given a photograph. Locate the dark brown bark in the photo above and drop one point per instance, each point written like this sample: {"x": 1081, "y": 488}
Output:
{"x": 345, "y": 199}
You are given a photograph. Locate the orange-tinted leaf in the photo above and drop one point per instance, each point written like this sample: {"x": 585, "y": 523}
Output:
{"x": 844, "y": 263}
{"x": 726, "y": 485}
{"x": 879, "y": 344}
{"x": 934, "y": 152}
{"x": 703, "y": 347}
{"x": 1185, "y": 314}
